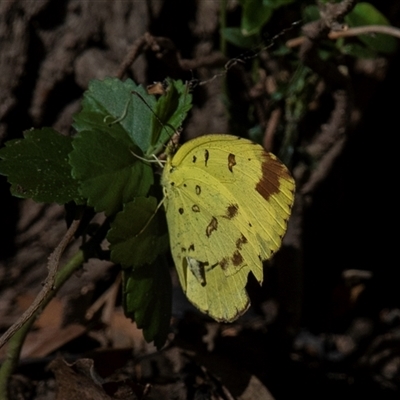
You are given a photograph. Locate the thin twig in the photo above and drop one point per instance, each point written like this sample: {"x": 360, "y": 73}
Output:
{"x": 271, "y": 128}
{"x": 48, "y": 286}
{"x": 361, "y": 30}
{"x": 16, "y": 342}
{"x": 364, "y": 30}
{"x": 137, "y": 48}
{"x": 107, "y": 299}
{"x": 323, "y": 167}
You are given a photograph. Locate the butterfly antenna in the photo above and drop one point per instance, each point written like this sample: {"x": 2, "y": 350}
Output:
{"x": 176, "y": 132}
{"x": 145, "y": 102}
{"x": 152, "y": 216}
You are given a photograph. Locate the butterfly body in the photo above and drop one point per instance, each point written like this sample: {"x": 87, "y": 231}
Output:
{"x": 227, "y": 204}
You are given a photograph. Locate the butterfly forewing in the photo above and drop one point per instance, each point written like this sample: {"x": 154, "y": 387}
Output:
{"x": 227, "y": 203}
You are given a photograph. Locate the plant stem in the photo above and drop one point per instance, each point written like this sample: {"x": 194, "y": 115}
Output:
{"x": 16, "y": 342}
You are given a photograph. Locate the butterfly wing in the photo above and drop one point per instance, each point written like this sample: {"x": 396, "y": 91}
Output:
{"x": 227, "y": 203}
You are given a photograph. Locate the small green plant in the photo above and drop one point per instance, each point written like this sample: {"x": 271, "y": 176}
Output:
{"x": 103, "y": 168}
{"x": 256, "y": 14}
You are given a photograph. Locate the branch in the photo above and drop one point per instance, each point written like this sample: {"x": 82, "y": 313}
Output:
{"x": 165, "y": 50}
{"x": 364, "y": 30}
{"x": 350, "y": 32}
{"x": 54, "y": 260}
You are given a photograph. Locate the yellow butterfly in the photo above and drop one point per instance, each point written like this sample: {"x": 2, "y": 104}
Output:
{"x": 227, "y": 202}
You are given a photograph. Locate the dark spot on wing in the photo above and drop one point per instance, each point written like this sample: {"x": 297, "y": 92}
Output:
{"x": 237, "y": 258}
{"x": 224, "y": 263}
{"x": 180, "y": 210}
{"x": 212, "y": 226}
{"x": 198, "y": 190}
{"x": 191, "y": 247}
{"x": 211, "y": 267}
{"x": 195, "y": 208}
{"x": 194, "y": 159}
{"x": 232, "y": 211}
{"x": 206, "y": 156}
{"x": 231, "y": 161}
{"x": 272, "y": 172}
{"x": 240, "y": 241}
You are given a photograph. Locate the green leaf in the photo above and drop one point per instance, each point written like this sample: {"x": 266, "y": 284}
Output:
{"x": 112, "y": 103}
{"x": 136, "y": 234}
{"x": 133, "y": 115}
{"x": 108, "y": 171}
{"x": 236, "y": 37}
{"x": 171, "y": 110}
{"x": 118, "y": 122}
{"x": 37, "y": 167}
{"x": 366, "y": 14}
{"x": 255, "y": 15}
{"x": 147, "y": 298}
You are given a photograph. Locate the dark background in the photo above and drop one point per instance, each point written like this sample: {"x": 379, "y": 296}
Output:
{"x": 51, "y": 49}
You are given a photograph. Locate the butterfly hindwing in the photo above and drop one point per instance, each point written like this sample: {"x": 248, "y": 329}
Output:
{"x": 227, "y": 203}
